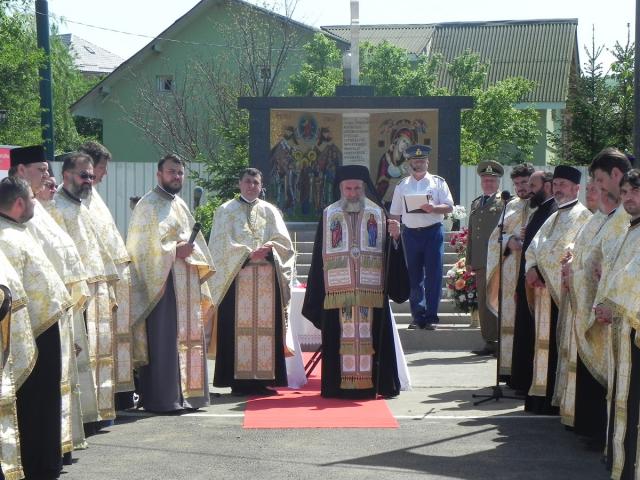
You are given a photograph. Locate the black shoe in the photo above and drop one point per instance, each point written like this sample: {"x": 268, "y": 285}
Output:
{"x": 485, "y": 352}
{"x": 415, "y": 326}
{"x": 239, "y": 392}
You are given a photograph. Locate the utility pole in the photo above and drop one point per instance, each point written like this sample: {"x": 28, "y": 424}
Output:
{"x": 46, "y": 94}
{"x": 636, "y": 88}
{"x": 355, "y": 42}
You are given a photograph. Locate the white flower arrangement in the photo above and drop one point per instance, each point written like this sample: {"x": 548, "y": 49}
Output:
{"x": 458, "y": 213}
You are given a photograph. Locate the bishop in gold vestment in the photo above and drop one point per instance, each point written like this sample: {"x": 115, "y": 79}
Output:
{"x": 170, "y": 297}
{"x": 254, "y": 258}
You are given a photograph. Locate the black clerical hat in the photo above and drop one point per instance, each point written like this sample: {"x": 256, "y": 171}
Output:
{"x": 568, "y": 173}
{"x": 352, "y": 172}
{"x": 355, "y": 172}
{"x": 27, "y": 155}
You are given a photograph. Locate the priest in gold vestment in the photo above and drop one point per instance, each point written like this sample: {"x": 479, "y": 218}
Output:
{"x": 108, "y": 232}
{"x": 254, "y": 257}
{"x": 543, "y": 273}
{"x": 619, "y": 306}
{"x": 38, "y": 398}
{"x": 170, "y": 297}
{"x": 577, "y": 294}
{"x": 516, "y": 216}
{"x": 29, "y": 164}
{"x": 589, "y": 365}
{"x": 70, "y": 212}
{"x": 17, "y": 350}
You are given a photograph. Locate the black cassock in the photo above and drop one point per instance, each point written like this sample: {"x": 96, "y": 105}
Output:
{"x": 225, "y": 345}
{"x": 524, "y": 334}
{"x": 385, "y": 369}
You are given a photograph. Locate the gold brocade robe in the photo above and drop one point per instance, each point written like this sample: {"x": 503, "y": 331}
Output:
{"x": 546, "y": 251}
{"x": 238, "y": 229}
{"x": 18, "y": 352}
{"x": 63, "y": 254}
{"x": 515, "y": 218}
{"x": 75, "y": 219}
{"x": 582, "y": 291}
{"x": 158, "y": 223}
{"x": 622, "y": 296}
{"x": 123, "y": 335}
{"x": 593, "y": 337}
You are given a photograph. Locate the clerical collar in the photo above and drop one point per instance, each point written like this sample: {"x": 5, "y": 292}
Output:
{"x": 567, "y": 205}
{"x": 71, "y": 196}
{"x": 7, "y": 217}
{"x": 547, "y": 200}
{"x": 242, "y": 199}
{"x": 164, "y": 193}
{"x": 612, "y": 212}
{"x": 634, "y": 222}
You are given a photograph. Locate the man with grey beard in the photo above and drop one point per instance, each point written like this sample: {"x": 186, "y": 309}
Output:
{"x": 355, "y": 268}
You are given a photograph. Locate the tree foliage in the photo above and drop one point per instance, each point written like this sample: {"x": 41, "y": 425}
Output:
{"x": 600, "y": 106}
{"x": 389, "y": 69}
{"x": 20, "y": 60}
{"x": 321, "y": 71}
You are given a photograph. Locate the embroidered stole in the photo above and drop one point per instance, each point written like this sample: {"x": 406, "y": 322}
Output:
{"x": 353, "y": 253}
{"x": 255, "y": 323}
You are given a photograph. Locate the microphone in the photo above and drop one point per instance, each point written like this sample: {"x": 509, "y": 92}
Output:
{"x": 194, "y": 232}
{"x": 505, "y": 195}
{"x": 197, "y": 196}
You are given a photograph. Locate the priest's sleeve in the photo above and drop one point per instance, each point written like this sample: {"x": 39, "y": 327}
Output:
{"x": 313, "y": 304}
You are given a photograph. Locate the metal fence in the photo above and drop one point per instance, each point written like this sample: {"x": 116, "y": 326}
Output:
{"x": 129, "y": 179}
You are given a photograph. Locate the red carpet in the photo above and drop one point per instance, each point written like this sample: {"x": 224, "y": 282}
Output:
{"x": 305, "y": 408}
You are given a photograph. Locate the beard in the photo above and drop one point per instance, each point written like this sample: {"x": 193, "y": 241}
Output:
{"x": 352, "y": 206}
{"x": 167, "y": 187}
{"x": 81, "y": 191}
{"x": 537, "y": 199}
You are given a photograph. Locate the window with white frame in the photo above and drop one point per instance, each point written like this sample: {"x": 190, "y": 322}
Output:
{"x": 164, "y": 83}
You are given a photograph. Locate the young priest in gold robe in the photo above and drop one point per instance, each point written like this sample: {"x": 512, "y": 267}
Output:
{"x": 254, "y": 258}
{"x": 619, "y": 307}
{"x": 170, "y": 297}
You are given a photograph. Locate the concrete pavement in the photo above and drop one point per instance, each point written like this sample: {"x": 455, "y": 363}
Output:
{"x": 442, "y": 435}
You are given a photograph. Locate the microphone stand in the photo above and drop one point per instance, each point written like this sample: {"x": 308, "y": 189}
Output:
{"x": 497, "y": 392}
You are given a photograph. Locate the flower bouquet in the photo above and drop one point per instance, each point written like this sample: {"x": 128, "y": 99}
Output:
{"x": 458, "y": 213}
{"x": 461, "y": 286}
{"x": 459, "y": 241}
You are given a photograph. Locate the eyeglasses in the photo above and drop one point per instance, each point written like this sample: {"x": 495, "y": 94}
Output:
{"x": 86, "y": 176}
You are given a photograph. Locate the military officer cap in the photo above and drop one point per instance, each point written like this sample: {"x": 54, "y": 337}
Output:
{"x": 568, "y": 173}
{"x": 417, "y": 151}
{"x": 490, "y": 168}
{"x": 27, "y": 155}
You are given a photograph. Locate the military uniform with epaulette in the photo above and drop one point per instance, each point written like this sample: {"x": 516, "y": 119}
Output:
{"x": 484, "y": 215}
